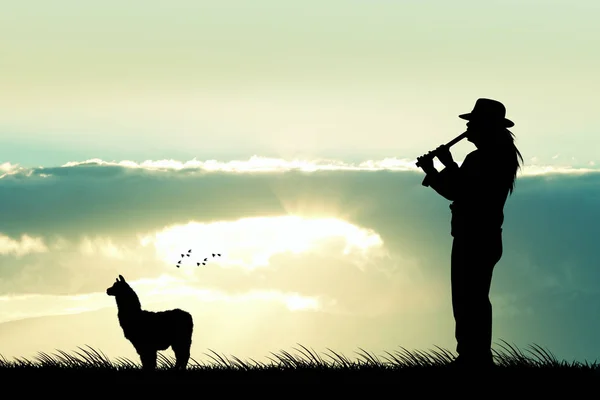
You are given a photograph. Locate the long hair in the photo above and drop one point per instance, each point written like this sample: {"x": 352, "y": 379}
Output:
{"x": 513, "y": 156}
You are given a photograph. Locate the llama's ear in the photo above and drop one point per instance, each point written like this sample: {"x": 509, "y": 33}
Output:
{"x": 122, "y": 279}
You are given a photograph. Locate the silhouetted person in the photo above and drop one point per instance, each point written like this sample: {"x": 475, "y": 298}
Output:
{"x": 150, "y": 331}
{"x": 478, "y": 190}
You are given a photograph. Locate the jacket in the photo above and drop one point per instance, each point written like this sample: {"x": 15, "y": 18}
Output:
{"x": 478, "y": 190}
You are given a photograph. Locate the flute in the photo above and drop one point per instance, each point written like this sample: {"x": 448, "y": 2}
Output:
{"x": 451, "y": 143}
{"x": 432, "y": 153}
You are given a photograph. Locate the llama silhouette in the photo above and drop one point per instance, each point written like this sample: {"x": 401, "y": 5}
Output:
{"x": 150, "y": 331}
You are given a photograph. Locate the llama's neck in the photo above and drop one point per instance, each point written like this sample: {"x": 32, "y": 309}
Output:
{"x": 129, "y": 311}
{"x": 128, "y": 305}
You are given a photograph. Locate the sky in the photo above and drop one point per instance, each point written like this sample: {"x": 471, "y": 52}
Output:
{"x": 283, "y": 135}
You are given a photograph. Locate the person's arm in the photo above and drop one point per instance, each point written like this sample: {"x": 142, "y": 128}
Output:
{"x": 445, "y": 182}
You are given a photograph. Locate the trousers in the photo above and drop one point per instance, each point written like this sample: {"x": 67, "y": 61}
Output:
{"x": 472, "y": 264}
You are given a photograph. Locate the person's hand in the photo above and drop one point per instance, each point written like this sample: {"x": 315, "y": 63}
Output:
{"x": 426, "y": 163}
{"x": 443, "y": 154}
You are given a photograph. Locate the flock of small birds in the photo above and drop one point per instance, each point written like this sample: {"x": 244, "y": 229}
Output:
{"x": 188, "y": 254}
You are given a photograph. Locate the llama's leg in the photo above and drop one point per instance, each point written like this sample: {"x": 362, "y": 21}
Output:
{"x": 182, "y": 353}
{"x": 148, "y": 358}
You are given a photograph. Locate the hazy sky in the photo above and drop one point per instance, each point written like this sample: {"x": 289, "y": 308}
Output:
{"x": 230, "y": 78}
{"x": 174, "y": 98}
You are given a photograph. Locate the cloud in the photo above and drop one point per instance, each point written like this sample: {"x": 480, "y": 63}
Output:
{"x": 104, "y": 246}
{"x": 15, "y": 307}
{"x": 106, "y": 209}
{"x": 535, "y": 170}
{"x": 251, "y": 242}
{"x": 371, "y": 243}
{"x": 166, "y": 288}
{"x": 25, "y": 245}
{"x": 7, "y": 169}
{"x": 257, "y": 164}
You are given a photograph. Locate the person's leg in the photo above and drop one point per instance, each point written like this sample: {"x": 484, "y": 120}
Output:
{"x": 473, "y": 261}
{"x": 457, "y": 266}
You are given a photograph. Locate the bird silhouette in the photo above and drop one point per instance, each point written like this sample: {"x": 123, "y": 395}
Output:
{"x": 197, "y": 263}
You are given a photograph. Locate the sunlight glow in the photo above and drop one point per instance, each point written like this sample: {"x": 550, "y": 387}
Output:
{"x": 251, "y": 242}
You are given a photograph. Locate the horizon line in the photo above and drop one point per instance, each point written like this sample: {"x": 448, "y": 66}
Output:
{"x": 261, "y": 164}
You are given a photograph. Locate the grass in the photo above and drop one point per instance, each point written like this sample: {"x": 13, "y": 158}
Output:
{"x": 303, "y": 365}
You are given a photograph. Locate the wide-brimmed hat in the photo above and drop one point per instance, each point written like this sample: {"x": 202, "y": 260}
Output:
{"x": 490, "y": 111}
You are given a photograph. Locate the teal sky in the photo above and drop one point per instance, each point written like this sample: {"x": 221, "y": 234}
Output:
{"x": 172, "y": 99}
{"x": 346, "y": 79}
